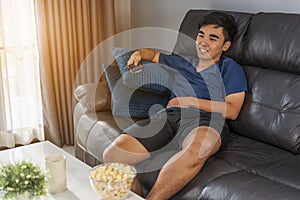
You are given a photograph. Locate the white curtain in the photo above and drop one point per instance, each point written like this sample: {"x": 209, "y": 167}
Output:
{"x": 20, "y": 97}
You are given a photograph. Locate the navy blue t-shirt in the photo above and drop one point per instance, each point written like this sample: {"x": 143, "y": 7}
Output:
{"x": 213, "y": 83}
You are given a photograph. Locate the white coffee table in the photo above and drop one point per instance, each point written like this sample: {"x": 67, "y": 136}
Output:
{"x": 78, "y": 186}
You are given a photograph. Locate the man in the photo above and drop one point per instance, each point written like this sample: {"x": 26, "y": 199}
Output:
{"x": 194, "y": 124}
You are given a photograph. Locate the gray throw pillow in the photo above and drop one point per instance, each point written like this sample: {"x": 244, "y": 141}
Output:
{"x": 130, "y": 102}
{"x": 154, "y": 77}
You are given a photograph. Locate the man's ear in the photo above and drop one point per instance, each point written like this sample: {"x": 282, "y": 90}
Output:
{"x": 226, "y": 45}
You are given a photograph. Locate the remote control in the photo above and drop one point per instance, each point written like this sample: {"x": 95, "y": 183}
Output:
{"x": 135, "y": 68}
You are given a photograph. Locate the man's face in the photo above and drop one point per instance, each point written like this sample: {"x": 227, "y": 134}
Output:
{"x": 210, "y": 43}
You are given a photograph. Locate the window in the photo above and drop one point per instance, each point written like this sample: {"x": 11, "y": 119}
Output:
{"x": 20, "y": 96}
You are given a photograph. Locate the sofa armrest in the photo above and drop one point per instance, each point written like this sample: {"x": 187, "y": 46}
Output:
{"x": 94, "y": 96}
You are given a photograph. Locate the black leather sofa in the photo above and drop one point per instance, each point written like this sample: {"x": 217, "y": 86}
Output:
{"x": 261, "y": 157}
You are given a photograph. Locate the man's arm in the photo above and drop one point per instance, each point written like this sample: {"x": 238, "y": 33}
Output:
{"x": 230, "y": 109}
{"x": 143, "y": 54}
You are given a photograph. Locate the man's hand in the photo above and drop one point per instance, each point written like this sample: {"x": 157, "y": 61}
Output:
{"x": 134, "y": 59}
{"x": 229, "y": 109}
{"x": 143, "y": 54}
{"x": 183, "y": 102}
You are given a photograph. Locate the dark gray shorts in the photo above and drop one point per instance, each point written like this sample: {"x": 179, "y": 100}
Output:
{"x": 167, "y": 130}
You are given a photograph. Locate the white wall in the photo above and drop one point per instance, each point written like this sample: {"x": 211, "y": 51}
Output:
{"x": 169, "y": 13}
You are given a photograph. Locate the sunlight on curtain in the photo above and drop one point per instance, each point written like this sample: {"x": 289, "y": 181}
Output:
{"x": 20, "y": 98}
{"x": 67, "y": 33}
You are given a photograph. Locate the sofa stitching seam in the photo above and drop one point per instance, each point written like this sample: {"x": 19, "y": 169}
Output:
{"x": 251, "y": 171}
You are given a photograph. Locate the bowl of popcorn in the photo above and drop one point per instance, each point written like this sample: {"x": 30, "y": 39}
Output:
{"x": 112, "y": 181}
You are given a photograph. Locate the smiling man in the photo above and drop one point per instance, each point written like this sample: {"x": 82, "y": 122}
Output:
{"x": 194, "y": 120}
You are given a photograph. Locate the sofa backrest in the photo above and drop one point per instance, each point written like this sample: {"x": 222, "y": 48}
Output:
{"x": 273, "y": 42}
{"x": 267, "y": 45}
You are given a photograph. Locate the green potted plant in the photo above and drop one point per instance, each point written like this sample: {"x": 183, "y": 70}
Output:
{"x": 22, "y": 180}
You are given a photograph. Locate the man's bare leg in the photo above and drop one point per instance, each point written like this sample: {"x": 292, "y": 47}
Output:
{"x": 197, "y": 147}
{"x": 127, "y": 149}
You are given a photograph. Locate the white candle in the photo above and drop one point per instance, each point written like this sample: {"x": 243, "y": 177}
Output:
{"x": 56, "y": 173}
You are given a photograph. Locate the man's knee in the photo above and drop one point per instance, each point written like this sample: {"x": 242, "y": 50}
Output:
{"x": 126, "y": 149}
{"x": 203, "y": 142}
{"x": 111, "y": 150}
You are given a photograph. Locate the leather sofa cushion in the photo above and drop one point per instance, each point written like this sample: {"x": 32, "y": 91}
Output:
{"x": 95, "y": 131}
{"x": 271, "y": 112}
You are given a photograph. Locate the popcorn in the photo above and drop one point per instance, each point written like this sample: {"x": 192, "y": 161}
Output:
{"x": 112, "y": 180}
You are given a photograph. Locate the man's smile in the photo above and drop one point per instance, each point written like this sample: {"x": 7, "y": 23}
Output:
{"x": 202, "y": 50}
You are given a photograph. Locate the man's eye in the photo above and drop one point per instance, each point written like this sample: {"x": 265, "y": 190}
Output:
{"x": 201, "y": 35}
{"x": 213, "y": 39}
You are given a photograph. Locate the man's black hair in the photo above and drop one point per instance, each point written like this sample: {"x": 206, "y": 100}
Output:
{"x": 221, "y": 19}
